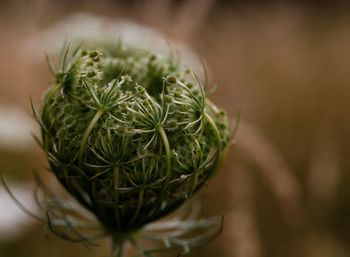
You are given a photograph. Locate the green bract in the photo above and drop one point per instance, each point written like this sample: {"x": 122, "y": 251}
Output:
{"x": 130, "y": 134}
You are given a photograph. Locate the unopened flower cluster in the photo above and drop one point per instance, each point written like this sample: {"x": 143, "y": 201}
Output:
{"x": 130, "y": 134}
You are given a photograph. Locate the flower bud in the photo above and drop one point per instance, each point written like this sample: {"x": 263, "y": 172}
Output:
{"x": 148, "y": 141}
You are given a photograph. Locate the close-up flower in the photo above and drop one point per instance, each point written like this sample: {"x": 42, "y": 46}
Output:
{"x": 170, "y": 128}
{"x": 130, "y": 134}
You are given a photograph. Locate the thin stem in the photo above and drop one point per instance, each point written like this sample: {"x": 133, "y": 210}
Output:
{"x": 139, "y": 205}
{"x": 65, "y": 58}
{"x": 196, "y": 171}
{"x": 194, "y": 181}
{"x": 166, "y": 145}
{"x": 218, "y": 139}
{"x": 141, "y": 250}
{"x": 86, "y": 135}
{"x": 116, "y": 172}
{"x": 117, "y": 248}
{"x": 49, "y": 65}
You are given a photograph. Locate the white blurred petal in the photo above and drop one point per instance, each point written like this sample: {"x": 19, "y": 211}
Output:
{"x": 13, "y": 221}
{"x": 15, "y": 129}
{"x": 83, "y": 26}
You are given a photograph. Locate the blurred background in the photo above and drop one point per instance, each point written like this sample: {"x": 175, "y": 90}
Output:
{"x": 284, "y": 65}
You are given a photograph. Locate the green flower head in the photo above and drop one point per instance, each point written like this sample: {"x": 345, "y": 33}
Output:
{"x": 130, "y": 134}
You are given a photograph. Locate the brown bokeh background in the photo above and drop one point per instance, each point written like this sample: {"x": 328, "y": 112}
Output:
{"x": 285, "y": 186}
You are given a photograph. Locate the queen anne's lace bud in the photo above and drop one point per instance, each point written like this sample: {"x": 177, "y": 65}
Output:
{"x": 130, "y": 134}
